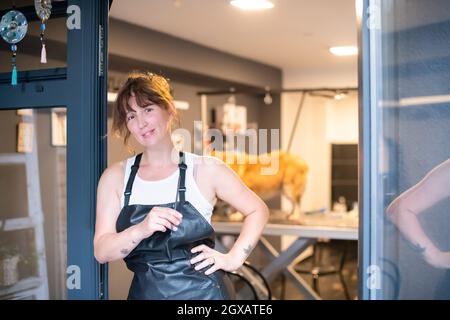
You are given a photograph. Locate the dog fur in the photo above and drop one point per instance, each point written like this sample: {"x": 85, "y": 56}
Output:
{"x": 289, "y": 178}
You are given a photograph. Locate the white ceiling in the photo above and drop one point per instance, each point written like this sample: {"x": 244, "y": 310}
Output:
{"x": 295, "y": 35}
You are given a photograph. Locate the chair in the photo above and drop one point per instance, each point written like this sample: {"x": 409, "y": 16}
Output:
{"x": 317, "y": 269}
{"x": 248, "y": 277}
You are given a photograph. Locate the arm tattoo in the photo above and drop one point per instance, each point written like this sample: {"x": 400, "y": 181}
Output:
{"x": 248, "y": 250}
{"x": 419, "y": 249}
{"x": 124, "y": 251}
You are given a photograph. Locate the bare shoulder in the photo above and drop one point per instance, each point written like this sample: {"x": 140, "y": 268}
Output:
{"x": 217, "y": 173}
{"x": 210, "y": 165}
{"x": 442, "y": 171}
{"x": 438, "y": 178}
{"x": 112, "y": 177}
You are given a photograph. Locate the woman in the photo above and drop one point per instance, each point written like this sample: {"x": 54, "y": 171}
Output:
{"x": 154, "y": 209}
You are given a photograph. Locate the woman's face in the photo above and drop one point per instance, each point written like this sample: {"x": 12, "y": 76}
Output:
{"x": 150, "y": 124}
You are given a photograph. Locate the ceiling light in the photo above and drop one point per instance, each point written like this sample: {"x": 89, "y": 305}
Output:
{"x": 344, "y": 51}
{"x": 249, "y": 5}
{"x": 339, "y": 96}
{"x": 268, "y": 98}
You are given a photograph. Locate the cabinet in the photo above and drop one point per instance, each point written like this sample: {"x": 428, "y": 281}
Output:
{"x": 344, "y": 173}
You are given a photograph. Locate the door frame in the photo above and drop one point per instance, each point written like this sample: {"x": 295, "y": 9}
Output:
{"x": 81, "y": 87}
{"x": 364, "y": 152}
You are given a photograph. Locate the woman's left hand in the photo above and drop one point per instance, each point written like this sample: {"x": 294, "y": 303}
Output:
{"x": 215, "y": 259}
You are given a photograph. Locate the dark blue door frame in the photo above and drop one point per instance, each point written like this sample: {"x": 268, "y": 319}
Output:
{"x": 82, "y": 88}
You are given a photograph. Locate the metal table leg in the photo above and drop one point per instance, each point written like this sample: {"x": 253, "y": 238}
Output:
{"x": 281, "y": 262}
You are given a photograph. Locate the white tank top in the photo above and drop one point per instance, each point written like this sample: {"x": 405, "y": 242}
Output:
{"x": 165, "y": 190}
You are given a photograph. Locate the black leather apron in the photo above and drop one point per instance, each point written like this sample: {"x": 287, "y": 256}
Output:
{"x": 161, "y": 263}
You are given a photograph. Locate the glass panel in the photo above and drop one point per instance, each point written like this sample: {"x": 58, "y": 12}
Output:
{"x": 410, "y": 167}
{"x": 29, "y": 48}
{"x": 33, "y": 228}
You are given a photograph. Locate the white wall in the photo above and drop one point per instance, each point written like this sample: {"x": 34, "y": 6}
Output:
{"x": 338, "y": 77}
{"x": 342, "y": 119}
{"x": 322, "y": 121}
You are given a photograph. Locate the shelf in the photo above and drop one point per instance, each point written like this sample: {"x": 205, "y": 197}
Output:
{"x": 36, "y": 286}
{"x": 12, "y": 158}
{"x": 22, "y": 285}
{"x": 17, "y": 224}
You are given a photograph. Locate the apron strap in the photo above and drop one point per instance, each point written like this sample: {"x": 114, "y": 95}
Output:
{"x": 134, "y": 169}
{"x": 181, "y": 179}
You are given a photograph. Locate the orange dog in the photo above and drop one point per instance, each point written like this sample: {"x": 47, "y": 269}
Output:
{"x": 269, "y": 174}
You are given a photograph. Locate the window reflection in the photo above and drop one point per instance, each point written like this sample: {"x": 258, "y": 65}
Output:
{"x": 410, "y": 166}
{"x": 405, "y": 210}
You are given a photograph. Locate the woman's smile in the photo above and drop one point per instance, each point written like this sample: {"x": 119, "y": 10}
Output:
{"x": 148, "y": 133}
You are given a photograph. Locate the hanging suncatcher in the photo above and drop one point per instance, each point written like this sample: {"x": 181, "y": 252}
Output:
{"x": 43, "y": 11}
{"x": 13, "y": 28}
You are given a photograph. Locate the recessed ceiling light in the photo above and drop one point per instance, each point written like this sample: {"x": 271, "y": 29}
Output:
{"x": 249, "y": 5}
{"x": 344, "y": 51}
{"x": 339, "y": 96}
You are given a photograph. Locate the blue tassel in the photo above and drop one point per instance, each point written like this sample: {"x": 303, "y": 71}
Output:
{"x": 14, "y": 76}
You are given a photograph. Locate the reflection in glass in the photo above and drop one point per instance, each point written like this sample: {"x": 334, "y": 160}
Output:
{"x": 410, "y": 148}
{"x": 405, "y": 210}
{"x": 33, "y": 239}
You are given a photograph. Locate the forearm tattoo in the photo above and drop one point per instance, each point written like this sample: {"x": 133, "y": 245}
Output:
{"x": 419, "y": 248}
{"x": 125, "y": 251}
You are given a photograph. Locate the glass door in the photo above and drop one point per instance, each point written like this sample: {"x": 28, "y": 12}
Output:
{"x": 405, "y": 149}
{"x": 33, "y": 193}
{"x": 52, "y": 154}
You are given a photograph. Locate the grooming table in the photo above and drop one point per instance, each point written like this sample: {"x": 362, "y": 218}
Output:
{"x": 306, "y": 235}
